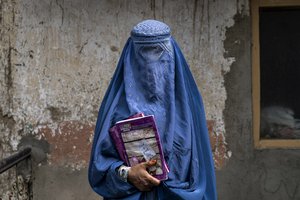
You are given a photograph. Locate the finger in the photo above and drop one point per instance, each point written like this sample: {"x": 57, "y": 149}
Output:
{"x": 145, "y": 186}
{"x": 153, "y": 181}
{"x": 149, "y": 163}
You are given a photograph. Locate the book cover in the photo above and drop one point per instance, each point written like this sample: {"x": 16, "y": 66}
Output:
{"x": 137, "y": 140}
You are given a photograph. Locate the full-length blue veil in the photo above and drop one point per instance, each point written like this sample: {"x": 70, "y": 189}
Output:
{"x": 153, "y": 77}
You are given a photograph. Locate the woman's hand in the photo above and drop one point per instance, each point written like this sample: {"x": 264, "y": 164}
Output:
{"x": 140, "y": 178}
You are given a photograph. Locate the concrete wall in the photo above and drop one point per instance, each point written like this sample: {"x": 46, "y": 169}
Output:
{"x": 57, "y": 58}
{"x": 250, "y": 173}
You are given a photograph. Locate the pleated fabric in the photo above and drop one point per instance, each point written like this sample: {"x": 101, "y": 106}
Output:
{"x": 153, "y": 77}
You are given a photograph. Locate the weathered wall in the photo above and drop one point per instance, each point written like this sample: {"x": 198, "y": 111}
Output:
{"x": 57, "y": 58}
{"x": 251, "y": 174}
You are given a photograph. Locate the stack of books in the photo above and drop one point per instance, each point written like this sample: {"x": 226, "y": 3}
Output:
{"x": 137, "y": 140}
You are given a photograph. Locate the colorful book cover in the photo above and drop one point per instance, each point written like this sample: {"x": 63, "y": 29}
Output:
{"x": 137, "y": 140}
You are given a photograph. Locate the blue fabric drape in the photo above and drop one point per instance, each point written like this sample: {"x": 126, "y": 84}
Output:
{"x": 153, "y": 77}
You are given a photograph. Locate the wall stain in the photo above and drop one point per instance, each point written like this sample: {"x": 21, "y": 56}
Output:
{"x": 8, "y": 75}
{"x": 208, "y": 21}
{"x": 62, "y": 12}
{"x": 200, "y": 31}
{"x": 58, "y": 114}
{"x": 114, "y": 48}
{"x": 1, "y": 13}
{"x": 98, "y": 44}
{"x": 82, "y": 46}
{"x": 31, "y": 52}
{"x": 237, "y": 4}
{"x": 194, "y": 19}
{"x": 7, "y": 120}
{"x": 152, "y": 7}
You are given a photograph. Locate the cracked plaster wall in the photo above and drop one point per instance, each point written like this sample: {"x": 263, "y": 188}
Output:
{"x": 58, "y": 56}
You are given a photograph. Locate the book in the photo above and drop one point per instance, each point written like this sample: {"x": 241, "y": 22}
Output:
{"x": 137, "y": 140}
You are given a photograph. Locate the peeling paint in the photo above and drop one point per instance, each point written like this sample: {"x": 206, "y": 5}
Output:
{"x": 221, "y": 154}
{"x": 70, "y": 145}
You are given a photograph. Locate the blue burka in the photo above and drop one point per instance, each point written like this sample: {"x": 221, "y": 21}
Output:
{"x": 153, "y": 77}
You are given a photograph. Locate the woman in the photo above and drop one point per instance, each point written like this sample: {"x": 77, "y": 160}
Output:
{"x": 152, "y": 77}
